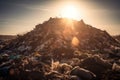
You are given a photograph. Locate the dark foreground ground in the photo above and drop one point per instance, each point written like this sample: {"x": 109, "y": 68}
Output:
{"x": 43, "y": 67}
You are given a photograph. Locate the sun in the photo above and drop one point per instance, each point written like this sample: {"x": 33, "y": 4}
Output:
{"x": 69, "y": 11}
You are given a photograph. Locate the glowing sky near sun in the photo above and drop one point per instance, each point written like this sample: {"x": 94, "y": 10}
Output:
{"x": 70, "y": 11}
{"x": 20, "y": 16}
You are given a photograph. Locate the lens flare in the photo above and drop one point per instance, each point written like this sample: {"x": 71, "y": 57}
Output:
{"x": 75, "y": 41}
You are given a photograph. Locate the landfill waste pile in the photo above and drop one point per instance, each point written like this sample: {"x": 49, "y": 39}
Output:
{"x": 61, "y": 49}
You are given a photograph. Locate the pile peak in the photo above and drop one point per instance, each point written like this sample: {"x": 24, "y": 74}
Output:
{"x": 61, "y": 33}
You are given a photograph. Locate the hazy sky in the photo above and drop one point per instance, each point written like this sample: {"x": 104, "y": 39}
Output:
{"x": 20, "y": 16}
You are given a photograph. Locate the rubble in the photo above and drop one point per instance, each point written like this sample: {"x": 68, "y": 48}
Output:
{"x": 96, "y": 64}
{"x": 83, "y": 74}
{"x": 55, "y": 50}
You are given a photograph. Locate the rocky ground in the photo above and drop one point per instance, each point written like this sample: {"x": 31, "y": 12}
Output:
{"x": 61, "y": 49}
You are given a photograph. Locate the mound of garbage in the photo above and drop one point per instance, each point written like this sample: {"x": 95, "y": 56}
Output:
{"x": 61, "y": 49}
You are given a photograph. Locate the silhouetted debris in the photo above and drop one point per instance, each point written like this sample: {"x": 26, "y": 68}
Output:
{"x": 111, "y": 75}
{"x": 96, "y": 65}
{"x": 82, "y": 73}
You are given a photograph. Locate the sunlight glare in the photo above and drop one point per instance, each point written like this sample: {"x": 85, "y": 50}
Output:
{"x": 70, "y": 11}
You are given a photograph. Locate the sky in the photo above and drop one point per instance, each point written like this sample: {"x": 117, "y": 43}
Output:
{"x": 21, "y": 16}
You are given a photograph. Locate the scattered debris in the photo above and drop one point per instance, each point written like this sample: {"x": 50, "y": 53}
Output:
{"x": 55, "y": 50}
